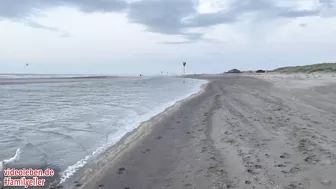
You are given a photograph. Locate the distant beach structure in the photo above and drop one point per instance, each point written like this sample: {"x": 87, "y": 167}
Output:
{"x": 184, "y": 70}
{"x": 234, "y": 71}
{"x": 260, "y": 71}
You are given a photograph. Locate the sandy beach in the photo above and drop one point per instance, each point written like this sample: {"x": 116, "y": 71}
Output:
{"x": 241, "y": 131}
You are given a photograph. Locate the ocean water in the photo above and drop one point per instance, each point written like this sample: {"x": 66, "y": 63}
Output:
{"x": 28, "y": 76}
{"x": 68, "y": 124}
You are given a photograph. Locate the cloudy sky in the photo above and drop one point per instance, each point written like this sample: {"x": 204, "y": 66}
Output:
{"x": 150, "y": 36}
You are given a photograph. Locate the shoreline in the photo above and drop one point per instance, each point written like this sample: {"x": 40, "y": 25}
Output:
{"x": 126, "y": 143}
{"x": 240, "y": 132}
{"x": 189, "y": 91}
{"x": 88, "y": 177}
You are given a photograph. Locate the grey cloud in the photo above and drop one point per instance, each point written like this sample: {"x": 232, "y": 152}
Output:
{"x": 161, "y": 16}
{"x": 19, "y": 10}
{"x": 210, "y": 19}
{"x": 175, "y": 17}
{"x": 97, "y": 5}
{"x": 39, "y": 26}
{"x": 298, "y": 13}
{"x": 169, "y": 17}
{"x": 243, "y": 6}
{"x": 269, "y": 9}
{"x": 328, "y": 8}
{"x": 23, "y": 8}
{"x": 16, "y": 8}
{"x": 327, "y": 3}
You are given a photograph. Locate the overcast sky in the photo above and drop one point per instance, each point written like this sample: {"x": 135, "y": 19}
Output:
{"x": 150, "y": 36}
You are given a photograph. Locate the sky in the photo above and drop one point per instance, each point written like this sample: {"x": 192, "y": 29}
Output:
{"x": 131, "y": 37}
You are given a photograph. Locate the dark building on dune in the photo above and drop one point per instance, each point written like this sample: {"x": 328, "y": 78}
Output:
{"x": 234, "y": 71}
{"x": 260, "y": 71}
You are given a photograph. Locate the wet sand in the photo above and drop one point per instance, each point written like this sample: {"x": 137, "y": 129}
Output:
{"x": 246, "y": 131}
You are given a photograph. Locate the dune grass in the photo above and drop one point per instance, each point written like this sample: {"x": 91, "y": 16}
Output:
{"x": 323, "y": 67}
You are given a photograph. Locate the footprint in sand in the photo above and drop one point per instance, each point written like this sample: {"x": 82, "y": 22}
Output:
{"x": 204, "y": 149}
{"x": 78, "y": 185}
{"x": 285, "y": 156}
{"x": 253, "y": 171}
{"x": 145, "y": 151}
{"x": 280, "y": 165}
{"x": 294, "y": 186}
{"x": 295, "y": 169}
{"x": 312, "y": 159}
{"x": 121, "y": 170}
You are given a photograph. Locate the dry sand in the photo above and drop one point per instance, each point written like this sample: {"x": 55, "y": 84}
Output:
{"x": 275, "y": 131}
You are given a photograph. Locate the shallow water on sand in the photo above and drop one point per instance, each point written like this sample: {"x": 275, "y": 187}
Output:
{"x": 65, "y": 124}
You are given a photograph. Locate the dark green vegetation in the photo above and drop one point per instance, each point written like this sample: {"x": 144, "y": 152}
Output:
{"x": 324, "y": 67}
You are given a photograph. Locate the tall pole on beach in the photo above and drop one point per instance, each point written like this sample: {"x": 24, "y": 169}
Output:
{"x": 184, "y": 70}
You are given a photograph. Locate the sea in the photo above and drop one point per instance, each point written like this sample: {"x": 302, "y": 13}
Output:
{"x": 68, "y": 124}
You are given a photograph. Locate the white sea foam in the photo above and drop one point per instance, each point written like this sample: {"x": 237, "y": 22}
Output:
{"x": 71, "y": 170}
{"x": 68, "y": 124}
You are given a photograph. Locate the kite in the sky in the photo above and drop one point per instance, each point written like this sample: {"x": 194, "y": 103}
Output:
{"x": 27, "y": 64}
